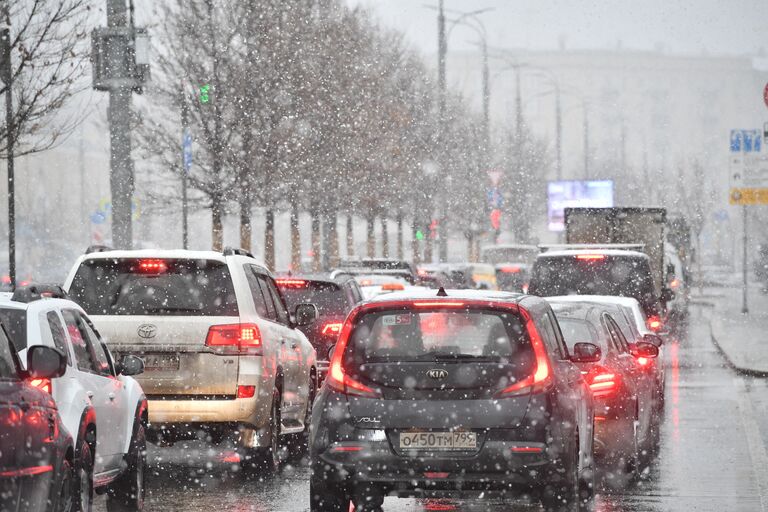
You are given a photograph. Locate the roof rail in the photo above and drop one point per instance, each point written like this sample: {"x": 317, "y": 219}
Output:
{"x": 33, "y": 292}
{"x": 560, "y": 247}
{"x": 97, "y": 248}
{"x": 231, "y": 251}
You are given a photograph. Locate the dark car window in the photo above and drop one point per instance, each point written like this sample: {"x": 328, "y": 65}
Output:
{"x": 15, "y": 323}
{"x": 329, "y": 298}
{"x": 7, "y": 363}
{"x": 618, "y": 338}
{"x": 259, "y": 300}
{"x": 132, "y": 286}
{"x": 57, "y": 333}
{"x": 547, "y": 331}
{"x": 579, "y": 331}
{"x": 83, "y": 356}
{"x": 269, "y": 302}
{"x": 94, "y": 344}
{"x": 627, "y": 276}
{"x": 282, "y": 312}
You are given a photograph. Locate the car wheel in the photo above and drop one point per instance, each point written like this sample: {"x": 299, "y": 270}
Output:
{"x": 127, "y": 493}
{"x": 564, "y": 493}
{"x": 64, "y": 499}
{"x": 82, "y": 495}
{"x": 300, "y": 442}
{"x": 327, "y": 497}
{"x": 270, "y": 458}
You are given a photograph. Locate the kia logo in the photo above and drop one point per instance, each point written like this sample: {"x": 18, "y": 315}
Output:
{"x": 147, "y": 331}
{"x": 437, "y": 374}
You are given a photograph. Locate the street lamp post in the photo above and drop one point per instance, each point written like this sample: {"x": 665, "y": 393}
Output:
{"x": 7, "y": 76}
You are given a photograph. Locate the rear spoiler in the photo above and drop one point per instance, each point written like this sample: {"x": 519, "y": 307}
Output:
{"x": 562, "y": 247}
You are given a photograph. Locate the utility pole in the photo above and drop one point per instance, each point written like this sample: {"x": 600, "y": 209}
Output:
{"x": 486, "y": 102}
{"x": 121, "y": 66}
{"x": 186, "y": 165}
{"x": 586, "y": 143}
{"x": 558, "y": 132}
{"x": 442, "y": 48}
{"x": 745, "y": 272}
{"x": 7, "y": 76}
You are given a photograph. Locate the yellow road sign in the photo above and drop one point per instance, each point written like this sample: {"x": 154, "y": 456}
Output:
{"x": 748, "y": 196}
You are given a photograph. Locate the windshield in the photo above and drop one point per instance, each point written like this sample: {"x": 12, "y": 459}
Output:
{"x": 154, "y": 287}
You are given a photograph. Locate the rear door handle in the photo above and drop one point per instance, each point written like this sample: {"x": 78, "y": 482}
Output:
{"x": 89, "y": 394}
{"x": 111, "y": 396}
{"x": 294, "y": 345}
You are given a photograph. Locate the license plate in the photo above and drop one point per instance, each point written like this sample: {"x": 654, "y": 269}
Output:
{"x": 160, "y": 362}
{"x": 438, "y": 440}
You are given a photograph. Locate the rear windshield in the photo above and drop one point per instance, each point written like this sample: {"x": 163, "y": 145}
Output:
{"x": 438, "y": 335}
{"x": 15, "y": 323}
{"x": 609, "y": 275}
{"x": 328, "y": 297}
{"x": 164, "y": 287}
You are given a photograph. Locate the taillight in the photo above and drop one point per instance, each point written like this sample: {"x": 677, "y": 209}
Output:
{"x": 42, "y": 384}
{"x": 246, "y": 391}
{"x": 337, "y": 377}
{"x": 235, "y": 338}
{"x": 332, "y": 328}
{"x": 602, "y": 382}
{"x": 152, "y": 266}
{"x": 541, "y": 377}
{"x": 654, "y": 323}
{"x": 590, "y": 257}
{"x": 292, "y": 283}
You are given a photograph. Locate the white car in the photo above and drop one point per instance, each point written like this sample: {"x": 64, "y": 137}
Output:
{"x": 100, "y": 404}
{"x": 224, "y": 358}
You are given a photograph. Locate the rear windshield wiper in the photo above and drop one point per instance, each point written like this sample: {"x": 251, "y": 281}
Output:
{"x": 447, "y": 356}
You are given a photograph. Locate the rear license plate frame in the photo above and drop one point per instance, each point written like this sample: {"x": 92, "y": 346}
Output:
{"x": 425, "y": 440}
{"x": 160, "y": 362}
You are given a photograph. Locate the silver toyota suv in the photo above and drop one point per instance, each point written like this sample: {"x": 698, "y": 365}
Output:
{"x": 223, "y": 357}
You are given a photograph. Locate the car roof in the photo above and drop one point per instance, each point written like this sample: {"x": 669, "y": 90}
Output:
{"x": 468, "y": 295}
{"x": 629, "y": 302}
{"x": 607, "y": 252}
{"x": 44, "y": 303}
{"x": 157, "y": 253}
{"x": 509, "y": 246}
{"x": 576, "y": 310}
{"x": 313, "y": 279}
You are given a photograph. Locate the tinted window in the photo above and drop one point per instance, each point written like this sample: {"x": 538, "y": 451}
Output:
{"x": 436, "y": 335}
{"x": 611, "y": 275}
{"x": 271, "y": 313}
{"x": 259, "y": 301}
{"x": 83, "y": 356}
{"x": 7, "y": 364}
{"x": 579, "y": 331}
{"x": 15, "y": 323}
{"x": 282, "y": 313}
{"x": 328, "y": 297}
{"x": 94, "y": 344}
{"x": 154, "y": 287}
{"x": 618, "y": 338}
{"x": 547, "y": 331}
{"x": 57, "y": 333}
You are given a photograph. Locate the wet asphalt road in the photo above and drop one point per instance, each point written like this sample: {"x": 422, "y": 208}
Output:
{"x": 712, "y": 455}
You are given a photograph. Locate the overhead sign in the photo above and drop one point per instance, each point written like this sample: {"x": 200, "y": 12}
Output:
{"x": 748, "y": 167}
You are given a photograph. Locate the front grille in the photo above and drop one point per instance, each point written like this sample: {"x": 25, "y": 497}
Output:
{"x": 190, "y": 397}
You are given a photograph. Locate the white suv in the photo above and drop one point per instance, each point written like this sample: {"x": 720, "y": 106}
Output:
{"x": 224, "y": 358}
{"x": 100, "y": 404}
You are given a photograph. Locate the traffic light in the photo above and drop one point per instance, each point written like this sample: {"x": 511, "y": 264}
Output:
{"x": 205, "y": 93}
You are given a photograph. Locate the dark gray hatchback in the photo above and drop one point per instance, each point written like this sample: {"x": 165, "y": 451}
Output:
{"x": 460, "y": 395}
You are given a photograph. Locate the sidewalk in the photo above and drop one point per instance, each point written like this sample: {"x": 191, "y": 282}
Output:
{"x": 742, "y": 339}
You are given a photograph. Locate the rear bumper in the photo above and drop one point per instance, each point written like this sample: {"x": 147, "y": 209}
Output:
{"x": 243, "y": 410}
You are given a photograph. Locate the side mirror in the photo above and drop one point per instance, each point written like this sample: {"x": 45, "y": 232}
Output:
{"x": 644, "y": 349}
{"x": 305, "y": 314}
{"x": 45, "y": 362}
{"x": 331, "y": 349}
{"x": 586, "y": 353}
{"x": 653, "y": 339}
{"x": 667, "y": 295}
{"x": 131, "y": 365}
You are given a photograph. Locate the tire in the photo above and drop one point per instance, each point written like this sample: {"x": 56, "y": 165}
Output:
{"x": 128, "y": 492}
{"x": 327, "y": 497}
{"x": 64, "y": 498}
{"x": 268, "y": 459}
{"x": 299, "y": 444}
{"x": 568, "y": 492}
{"x": 82, "y": 488}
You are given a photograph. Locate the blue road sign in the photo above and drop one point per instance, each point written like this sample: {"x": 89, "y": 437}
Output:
{"x": 746, "y": 141}
{"x": 495, "y": 198}
{"x": 187, "y": 150}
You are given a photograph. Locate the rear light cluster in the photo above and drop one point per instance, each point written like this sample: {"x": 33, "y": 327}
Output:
{"x": 655, "y": 324}
{"x": 510, "y": 269}
{"x": 235, "y": 338}
{"x": 332, "y": 328}
{"x": 152, "y": 266}
{"x": 602, "y": 382}
{"x": 42, "y": 384}
{"x": 337, "y": 378}
{"x": 291, "y": 283}
{"x": 541, "y": 378}
{"x": 590, "y": 257}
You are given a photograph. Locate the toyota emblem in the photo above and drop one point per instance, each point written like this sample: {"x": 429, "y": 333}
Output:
{"x": 147, "y": 331}
{"x": 437, "y": 374}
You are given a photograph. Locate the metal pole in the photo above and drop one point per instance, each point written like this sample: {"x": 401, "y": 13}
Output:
{"x": 586, "y": 143}
{"x": 486, "y": 101}
{"x": 184, "y": 171}
{"x": 121, "y": 178}
{"x": 7, "y": 74}
{"x": 558, "y": 132}
{"x": 744, "y": 305}
{"x": 442, "y": 48}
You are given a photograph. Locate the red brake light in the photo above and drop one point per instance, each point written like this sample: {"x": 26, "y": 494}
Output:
{"x": 643, "y": 361}
{"x": 246, "y": 391}
{"x": 42, "y": 384}
{"x": 527, "y": 449}
{"x": 152, "y": 266}
{"x": 512, "y": 269}
{"x": 236, "y": 337}
{"x": 541, "y": 377}
{"x": 602, "y": 382}
{"x": 654, "y": 323}
{"x": 674, "y": 283}
{"x": 440, "y": 304}
{"x": 589, "y": 257}
{"x": 293, "y": 283}
{"x": 337, "y": 378}
{"x": 332, "y": 328}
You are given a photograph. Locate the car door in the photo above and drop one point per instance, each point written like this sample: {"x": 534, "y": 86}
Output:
{"x": 98, "y": 388}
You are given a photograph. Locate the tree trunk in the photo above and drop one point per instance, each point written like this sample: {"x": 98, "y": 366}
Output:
{"x": 384, "y": 236}
{"x": 245, "y": 223}
{"x": 217, "y": 227}
{"x": 370, "y": 232}
{"x": 332, "y": 234}
{"x": 350, "y": 236}
{"x": 314, "y": 214}
{"x": 429, "y": 244}
{"x": 400, "y": 248}
{"x": 415, "y": 249}
{"x": 269, "y": 238}
{"x": 295, "y": 238}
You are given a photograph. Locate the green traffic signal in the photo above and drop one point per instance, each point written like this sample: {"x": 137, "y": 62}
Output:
{"x": 419, "y": 235}
{"x": 205, "y": 93}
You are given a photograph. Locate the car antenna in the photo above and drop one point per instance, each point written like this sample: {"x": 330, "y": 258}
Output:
{"x": 441, "y": 292}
